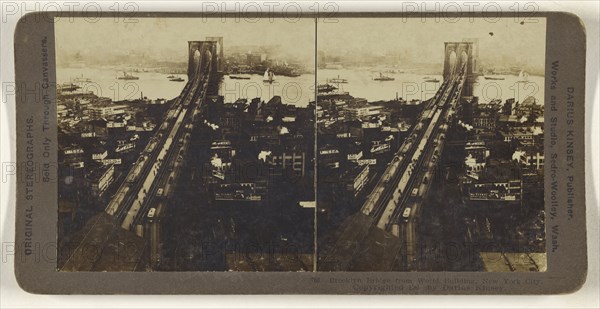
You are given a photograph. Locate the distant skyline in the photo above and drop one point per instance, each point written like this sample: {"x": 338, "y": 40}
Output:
{"x": 416, "y": 41}
{"x": 165, "y": 39}
{"x": 390, "y": 40}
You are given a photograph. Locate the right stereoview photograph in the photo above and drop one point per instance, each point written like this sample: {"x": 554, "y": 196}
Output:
{"x": 430, "y": 136}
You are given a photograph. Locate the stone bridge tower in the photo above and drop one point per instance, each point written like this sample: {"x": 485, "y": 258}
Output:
{"x": 219, "y": 41}
{"x": 457, "y": 54}
{"x": 199, "y": 53}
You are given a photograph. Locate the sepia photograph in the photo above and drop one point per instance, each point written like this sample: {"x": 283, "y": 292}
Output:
{"x": 197, "y": 144}
{"x": 308, "y": 149}
{"x": 186, "y": 144}
{"x": 430, "y": 145}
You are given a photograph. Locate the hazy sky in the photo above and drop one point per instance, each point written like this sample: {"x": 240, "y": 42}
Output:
{"x": 425, "y": 40}
{"x": 167, "y": 37}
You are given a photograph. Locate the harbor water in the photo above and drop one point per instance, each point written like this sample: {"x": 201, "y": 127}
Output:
{"x": 411, "y": 86}
{"x": 298, "y": 90}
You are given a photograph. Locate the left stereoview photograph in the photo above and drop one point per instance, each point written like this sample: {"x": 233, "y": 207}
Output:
{"x": 186, "y": 144}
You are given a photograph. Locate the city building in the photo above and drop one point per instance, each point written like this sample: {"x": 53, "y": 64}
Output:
{"x": 485, "y": 119}
{"x": 222, "y": 149}
{"x": 106, "y": 109}
{"x": 531, "y": 157}
{"x": 125, "y": 147}
{"x": 524, "y": 134}
{"x": 96, "y": 126}
{"x": 355, "y": 155}
{"x": 528, "y": 107}
{"x": 354, "y": 113}
{"x": 231, "y": 118}
{"x": 99, "y": 154}
{"x": 485, "y": 115}
{"x": 507, "y": 108}
{"x": 99, "y": 178}
{"x": 476, "y": 154}
{"x": 356, "y": 178}
{"x": 500, "y": 181}
{"x": 240, "y": 192}
{"x": 254, "y": 59}
{"x": 287, "y": 159}
{"x": 329, "y": 156}
{"x": 62, "y": 110}
{"x": 73, "y": 150}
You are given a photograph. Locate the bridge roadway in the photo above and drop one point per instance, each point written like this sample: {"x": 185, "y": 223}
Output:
{"x": 381, "y": 192}
{"x": 155, "y": 166}
{"x": 170, "y": 159}
{"x": 393, "y": 205}
{"x": 408, "y": 211}
{"x": 408, "y": 187}
{"x": 144, "y": 188}
{"x": 166, "y": 178}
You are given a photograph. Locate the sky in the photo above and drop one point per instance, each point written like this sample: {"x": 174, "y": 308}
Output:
{"x": 425, "y": 40}
{"x": 166, "y": 38}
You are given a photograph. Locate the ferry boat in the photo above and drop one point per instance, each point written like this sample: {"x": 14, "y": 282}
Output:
{"x": 82, "y": 79}
{"x": 128, "y": 77}
{"x": 325, "y": 88}
{"x": 493, "y": 78}
{"x": 238, "y": 77}
{"x": 332, "y": 94}
{"x": 337, "y": 80}
{"x": 68, "y": 87}
{"x": 383, "y": 78}
{"x": 176, "y": 79}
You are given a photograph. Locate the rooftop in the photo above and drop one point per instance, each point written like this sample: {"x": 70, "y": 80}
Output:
{"x": 96, "y": 172}
{"x": 513, "y": 261}
{"x": 499, "y": 171}
{"x": 105, "y": 234}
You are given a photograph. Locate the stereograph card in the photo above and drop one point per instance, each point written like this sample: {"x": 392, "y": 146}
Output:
{"x": 353, "y": 153}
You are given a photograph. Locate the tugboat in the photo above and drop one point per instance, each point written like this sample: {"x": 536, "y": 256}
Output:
{"x": 68, "y": 87}
{"x": 493, "y": 78}
{"x": 432, "y": 80}
{"x": 176, "y": 79}
{"x": 128, "y": 77}
{"x": 238, "y": 77}
{"x": 383, "y": 78}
